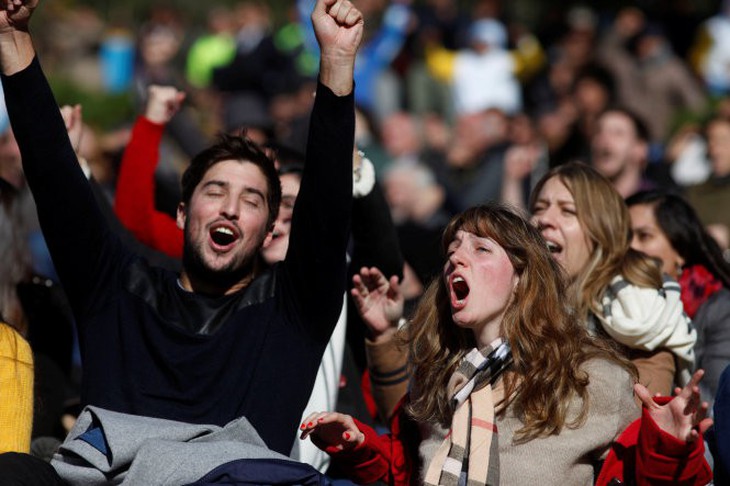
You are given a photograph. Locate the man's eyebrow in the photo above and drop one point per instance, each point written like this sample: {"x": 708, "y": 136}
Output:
{"x": 226, "y": 185}
{"x": 216, "y": 183}
{"x": 253, "y": 190}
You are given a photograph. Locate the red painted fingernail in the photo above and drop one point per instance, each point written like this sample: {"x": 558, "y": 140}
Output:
{"x": 320, "y": 420}
{"x": 302, "y": 426}
{"x": 347, "y": 436}
{"x": 310, "y": 424}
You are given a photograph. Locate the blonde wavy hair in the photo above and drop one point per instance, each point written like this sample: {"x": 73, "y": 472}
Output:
{"x": 605, "y": 220}
{"x": 548, "y": 343}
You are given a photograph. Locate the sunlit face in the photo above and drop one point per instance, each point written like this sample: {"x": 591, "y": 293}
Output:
{"x": 275, "y": 250}
{"x": 718, "y": 146}
{"x": 650, "y": 239}
{"x": 615, "y": 146}
{"x": 225, "y": 222}
{"x": 555, "y": 214}
{"x": 480, "y": 280}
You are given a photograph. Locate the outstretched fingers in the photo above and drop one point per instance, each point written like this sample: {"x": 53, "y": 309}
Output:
{"x": 646, "y": 399}
{"x": 331, "y": 430}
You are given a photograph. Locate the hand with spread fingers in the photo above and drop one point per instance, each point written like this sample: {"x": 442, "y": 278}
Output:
{"x": 379, "y": 301}
{"x": 74, "y": 121}
{"x": 331, "y": 431}
{"x": 685, "y": 417}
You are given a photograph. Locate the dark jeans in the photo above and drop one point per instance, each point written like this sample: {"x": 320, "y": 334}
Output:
{"x": 25, "y": 470}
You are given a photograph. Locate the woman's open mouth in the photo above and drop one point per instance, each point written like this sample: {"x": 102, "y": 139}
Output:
{"x": 459, "y": 291}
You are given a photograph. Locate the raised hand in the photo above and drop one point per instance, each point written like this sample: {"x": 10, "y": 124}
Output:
{"x": 163, "y": 102}
{"x": 14, "y": 14}
{"x": 16, "y": 45}
{"x": 685, "y": 417}
{"x": 379, "y": 300}
{"x": 331, "y": 431}
{"x": 74, "y": 124}
{"x": 338, "y": 26}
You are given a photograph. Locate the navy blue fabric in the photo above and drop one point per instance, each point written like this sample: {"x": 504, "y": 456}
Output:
{"x": 721, "y": 430}
{"x": 94, "y": 436}
{"x": 263, "y": 471}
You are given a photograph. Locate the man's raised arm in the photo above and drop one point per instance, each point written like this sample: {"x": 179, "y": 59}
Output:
{"x": 77, "y": 234}
{"x": 316, "y": 260}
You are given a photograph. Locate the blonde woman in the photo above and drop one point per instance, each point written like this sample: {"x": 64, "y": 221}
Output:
{"x": 616, "y": 291}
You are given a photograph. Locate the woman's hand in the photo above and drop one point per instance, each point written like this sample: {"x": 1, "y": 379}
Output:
{"x": 379, "y": 301}
{"x": 685, "y": 417}
{"x": 331, "y": 431}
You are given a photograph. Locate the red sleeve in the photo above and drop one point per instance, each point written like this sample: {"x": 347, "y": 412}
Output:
{"x": 378, "y": 458}
{"x": 664, "y": 459}
{"x": 654, "y": 457}
{"x": 135, "y": 195}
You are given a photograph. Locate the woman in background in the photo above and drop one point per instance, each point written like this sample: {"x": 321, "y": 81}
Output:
{"x": 666, "y": 227}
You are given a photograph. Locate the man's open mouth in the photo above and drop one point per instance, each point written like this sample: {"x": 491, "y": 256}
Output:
{"x": 223, "y": 235}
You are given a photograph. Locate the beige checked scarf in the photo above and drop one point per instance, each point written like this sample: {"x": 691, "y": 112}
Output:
{"x": 470, "y": 454}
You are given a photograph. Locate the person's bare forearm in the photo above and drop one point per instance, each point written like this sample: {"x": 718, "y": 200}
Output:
{"x": 337, "y": 74}
{"x": 16, "y": 45}
{"x": 16, "y": 50}
{"x": 338, "y": 26}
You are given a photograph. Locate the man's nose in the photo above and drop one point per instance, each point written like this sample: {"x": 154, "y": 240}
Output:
{"x": 230, "y": 208}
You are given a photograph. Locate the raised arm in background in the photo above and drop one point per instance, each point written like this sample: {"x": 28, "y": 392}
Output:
{"x": 135, "y": 195}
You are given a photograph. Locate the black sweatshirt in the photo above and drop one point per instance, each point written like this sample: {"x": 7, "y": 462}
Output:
{"x": 137, "y": 355}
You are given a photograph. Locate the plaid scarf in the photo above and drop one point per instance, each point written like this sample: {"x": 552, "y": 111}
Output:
{"x": 470, "y": 453}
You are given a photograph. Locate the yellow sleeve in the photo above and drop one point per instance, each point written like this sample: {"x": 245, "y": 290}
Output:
{"x": 16, "y": 391}
{"x": 699, "y": 50}
{"x": 440, "y": 62}
{"x": 528, "y": 57}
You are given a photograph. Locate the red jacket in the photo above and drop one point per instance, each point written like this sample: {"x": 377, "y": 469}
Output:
{"x": 643, "y": 451}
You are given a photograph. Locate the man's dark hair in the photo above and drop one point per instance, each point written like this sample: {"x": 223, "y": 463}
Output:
{"x": 242, "y": 149}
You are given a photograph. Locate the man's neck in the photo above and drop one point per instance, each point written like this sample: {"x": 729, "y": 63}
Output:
{"x": 217, "y": 287}
{"x": 627, "y": 182}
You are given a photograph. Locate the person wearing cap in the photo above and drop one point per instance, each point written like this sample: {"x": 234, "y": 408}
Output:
{"x": 486, "y": 63}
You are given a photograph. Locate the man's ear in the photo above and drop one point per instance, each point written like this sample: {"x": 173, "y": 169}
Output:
{"x": 181, "y": 216}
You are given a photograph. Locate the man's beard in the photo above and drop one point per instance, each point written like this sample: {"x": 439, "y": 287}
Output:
{"x": 199, "y": 272}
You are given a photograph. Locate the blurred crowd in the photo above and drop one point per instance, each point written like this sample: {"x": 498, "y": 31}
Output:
{"x": 455, "y": 107}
